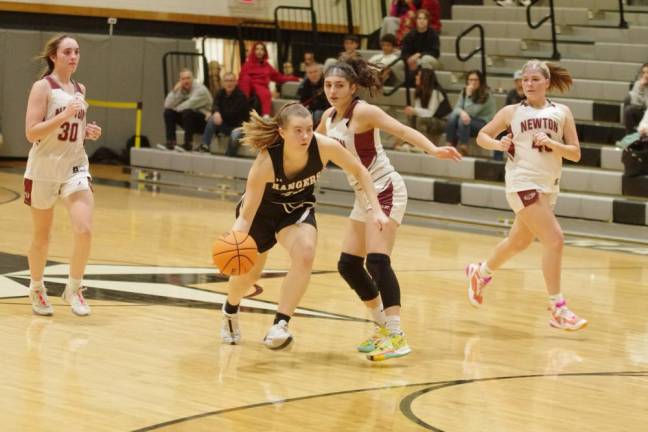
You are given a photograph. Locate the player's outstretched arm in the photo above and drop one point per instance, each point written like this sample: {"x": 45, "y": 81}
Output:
{"x": 331, "y": 150}
{"x": 377, "y": 118}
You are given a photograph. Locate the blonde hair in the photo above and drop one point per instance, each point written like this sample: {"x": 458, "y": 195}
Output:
{"x": 559, "y": 77}
{"x": 260, "y": 133}
{"x": 50, "y": 49}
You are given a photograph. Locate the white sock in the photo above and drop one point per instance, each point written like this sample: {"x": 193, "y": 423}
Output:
{"x": 36, "y": 285}
{"x": 378, "y": 315}
{"x": 484, "y": 270}
{"x": 74, "y": 284}
{"x": 393, "y": 324}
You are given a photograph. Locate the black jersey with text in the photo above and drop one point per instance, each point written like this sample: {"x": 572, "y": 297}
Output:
{"x": 293, "y": 193}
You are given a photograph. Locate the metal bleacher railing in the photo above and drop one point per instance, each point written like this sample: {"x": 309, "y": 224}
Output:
{"x": 480, "y": 49}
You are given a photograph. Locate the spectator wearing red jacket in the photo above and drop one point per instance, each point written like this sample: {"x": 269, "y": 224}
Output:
{"x": 256, "y": 75}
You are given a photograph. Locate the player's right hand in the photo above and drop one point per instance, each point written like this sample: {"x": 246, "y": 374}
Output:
{"x": 73, "y": 107}
{"x": 505, "y": 143}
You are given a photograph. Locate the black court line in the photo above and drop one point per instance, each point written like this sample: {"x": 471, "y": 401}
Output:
{"x": 405, "y": 404}
{"x": 14, "y": 197}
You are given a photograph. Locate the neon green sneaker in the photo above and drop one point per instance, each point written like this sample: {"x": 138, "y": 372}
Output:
{"x": 370, "y": 344}
{"x": 392, "y": 346}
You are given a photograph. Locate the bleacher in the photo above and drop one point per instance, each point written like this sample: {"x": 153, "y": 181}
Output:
{"x": 603, "y": 60}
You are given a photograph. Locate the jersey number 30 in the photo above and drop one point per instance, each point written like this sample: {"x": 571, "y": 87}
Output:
{"x": 69, "y": 132}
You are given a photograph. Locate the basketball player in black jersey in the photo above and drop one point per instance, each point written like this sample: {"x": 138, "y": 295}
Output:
{"x": 278, "y": 206}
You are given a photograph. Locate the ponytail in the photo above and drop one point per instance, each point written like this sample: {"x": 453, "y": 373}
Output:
{"x": 263, "y": 132}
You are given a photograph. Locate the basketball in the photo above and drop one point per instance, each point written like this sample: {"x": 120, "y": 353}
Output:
{"x": 234, "y": 253}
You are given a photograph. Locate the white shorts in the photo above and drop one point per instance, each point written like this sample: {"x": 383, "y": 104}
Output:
{"x": 519, "y": 200}
{"x": 392, "y": 195}
{"x": 43, "y": 194}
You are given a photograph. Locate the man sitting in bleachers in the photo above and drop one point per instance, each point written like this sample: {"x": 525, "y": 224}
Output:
{"x": 231, "y": 108}
{"x": 394, "y": 74}
{"x": 187, "y": 105}
{"x": 311, "y": 92}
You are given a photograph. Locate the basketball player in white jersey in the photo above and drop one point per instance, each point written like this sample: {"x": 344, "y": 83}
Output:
{"x": 542, "y": 133}
{"x": 57, "y": 167}
{"x": 357, "y": 126}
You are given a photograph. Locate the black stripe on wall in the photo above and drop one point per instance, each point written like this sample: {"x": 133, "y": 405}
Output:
{"x": 489, "y": 170}
{"x": 606, "y": 112}
{"x": 635, "y": 186}
{"x": 447, "y": 192}
{"x": 629, "y": 212}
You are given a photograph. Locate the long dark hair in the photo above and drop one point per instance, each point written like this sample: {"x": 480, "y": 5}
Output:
{"x": 482, "y": 93}
{"x": 428, "y": 83}
{"x": 50, "y": 49}
{"x": 357, "y": 71}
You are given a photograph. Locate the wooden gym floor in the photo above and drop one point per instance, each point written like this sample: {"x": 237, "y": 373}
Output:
{"x": 150, "y": 358}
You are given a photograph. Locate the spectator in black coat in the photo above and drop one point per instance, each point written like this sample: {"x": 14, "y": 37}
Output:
{"x": 231, "y": 108}
{"x": 420, "y": 47}
{"x": 311, "y": 92}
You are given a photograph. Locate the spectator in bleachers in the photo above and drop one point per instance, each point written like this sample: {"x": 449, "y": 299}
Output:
{"x": 311, "y": 92}
{"x": 351, "y": 45}
{"x": 187, "y": 105}
{"x": 516, "y": 95}
{"x": 391, "y": 23}
{"x": 475, "y": 107}
{"x": 230, "y": 109}
{"x": 408, "y": 21}
{"x": 256, "y": 74}
{"x": 309, "y": 59}
{"x": 215, "y": 84}
{"x": 642, "y": 128}
{"x": 395, "y": 73}
{"x": 421, "y": 45}
{"x": 431, "y": 105}
{"x": 636, "y": 102}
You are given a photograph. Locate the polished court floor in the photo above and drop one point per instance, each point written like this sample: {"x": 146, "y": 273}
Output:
{"x": 150, "y": 358}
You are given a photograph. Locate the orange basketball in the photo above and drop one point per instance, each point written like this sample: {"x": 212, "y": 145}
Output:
{"x": 234, "y": 253}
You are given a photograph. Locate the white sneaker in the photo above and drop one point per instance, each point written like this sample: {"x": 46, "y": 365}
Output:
{"x": 524, "y": 3}
{"x": 76, "y": 301}
{"x": 563, "y": 318}
{"x": 230, "y": 330}
{"x": 505, "y": 3}
{"x": 278, "y": 337}
{"x": 40, "y": 302}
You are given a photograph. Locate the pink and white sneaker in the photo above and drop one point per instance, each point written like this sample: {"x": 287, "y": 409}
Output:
{"x": 563, "y": 318}
{"x": 476, "y": 284}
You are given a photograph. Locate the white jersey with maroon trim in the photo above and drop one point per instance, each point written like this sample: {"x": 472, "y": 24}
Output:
{"x": 365, "y": 146}
{"x": 60, "y": 155}
{"x": 529, "y": 165}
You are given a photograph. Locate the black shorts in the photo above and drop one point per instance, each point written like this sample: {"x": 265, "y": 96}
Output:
{"x": 272, "y": 218}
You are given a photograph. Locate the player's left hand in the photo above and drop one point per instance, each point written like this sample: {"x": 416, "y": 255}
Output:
{"x": 380, "y": 219}
{"x": 541, "y": 139}
{"x": 92, "y": 131}
{"x": 446, "y": 152}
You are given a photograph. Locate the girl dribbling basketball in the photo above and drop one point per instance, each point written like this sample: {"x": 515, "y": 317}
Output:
{"x": 278, "y": 206}
{"x": 57, "y": 167}
{"x": 542, "y": 133}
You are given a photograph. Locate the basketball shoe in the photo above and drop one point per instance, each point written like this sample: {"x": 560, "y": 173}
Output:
{"x": 370, "y": 344}
{"x": 563, "y": 318}
{"x": 389, "y": 347}
{"x": 40, "y": 301}
{"x": 76, "y": 300}
{"x": 476, "y": 284}
{"x": 230, "y": 331}
{"x": 278, "y": 337}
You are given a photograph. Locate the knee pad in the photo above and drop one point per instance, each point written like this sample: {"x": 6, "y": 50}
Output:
{"x": 379, "y": 267}
{"x": 352, "y": 270}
